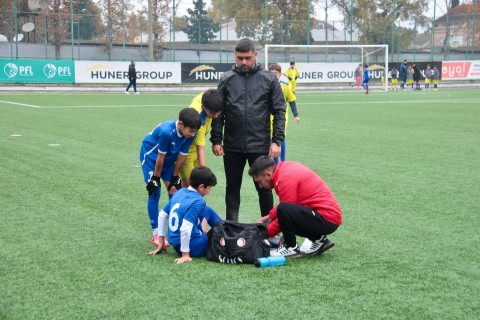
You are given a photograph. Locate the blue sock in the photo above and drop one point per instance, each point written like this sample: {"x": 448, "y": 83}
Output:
{"x": 152, "y": 208}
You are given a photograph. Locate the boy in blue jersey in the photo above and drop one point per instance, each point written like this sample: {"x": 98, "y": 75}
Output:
{"x": 162, "y": 155}
{"x": 366, "y": 78}
{"x": 183, "y": 215}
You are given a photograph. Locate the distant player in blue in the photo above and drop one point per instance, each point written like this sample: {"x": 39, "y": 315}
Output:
{"x": 366, "y": 78}
{"x": 163, "y": 154}
{"x": 184, "y": 214}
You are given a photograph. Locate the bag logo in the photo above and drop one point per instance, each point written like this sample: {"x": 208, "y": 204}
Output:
{"x": 222, "y": 259}
{"x": 222, "y": 242}
{"x": 241, "y": 242}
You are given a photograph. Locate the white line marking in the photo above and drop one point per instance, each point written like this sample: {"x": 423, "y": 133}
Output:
{"x": 20, "y": 104}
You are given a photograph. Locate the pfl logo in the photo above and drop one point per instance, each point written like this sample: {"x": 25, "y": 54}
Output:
{"x": 10, "y": 70}
{"x": 49, "y": 70}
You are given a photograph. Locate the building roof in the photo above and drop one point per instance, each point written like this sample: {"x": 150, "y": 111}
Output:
{"x": 460, "y": 13}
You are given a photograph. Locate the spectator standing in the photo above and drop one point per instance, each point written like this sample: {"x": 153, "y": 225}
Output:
{"x": 132, "y": 77}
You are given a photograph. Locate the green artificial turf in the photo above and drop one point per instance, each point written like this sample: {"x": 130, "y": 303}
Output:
{"x": 404, "y": 167}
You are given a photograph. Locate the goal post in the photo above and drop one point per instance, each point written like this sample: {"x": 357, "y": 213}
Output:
{"x": 332, "y": 64}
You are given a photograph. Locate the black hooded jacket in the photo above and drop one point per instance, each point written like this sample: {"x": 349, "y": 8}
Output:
{"x": 250, "y": 99}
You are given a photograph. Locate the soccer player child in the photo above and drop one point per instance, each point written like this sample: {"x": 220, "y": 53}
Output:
{"x": 366, "y": 78}
{"x": 436, "y": 77}
{"x": 428, "y": 77}
{"x": 290, "y": 97}
{"x": 394, "y": 74}
{"x": 292, "y": 75}
{"x": 409, "y": 82}
{"x": 209, "y": 104}
{"x": 358, "y": 76}
{"x": 162, "y": 155}
{"x": 183, "y": 214}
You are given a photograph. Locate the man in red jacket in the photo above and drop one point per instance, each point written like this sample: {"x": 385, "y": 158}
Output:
{"x": 307, "y": 206}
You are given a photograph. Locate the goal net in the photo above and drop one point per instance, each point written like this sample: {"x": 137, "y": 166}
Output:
{"x": 331, "y": 64}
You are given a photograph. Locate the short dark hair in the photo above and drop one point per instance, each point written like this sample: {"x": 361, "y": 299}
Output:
{"x": 190, "y": 118}
{"x": 245, "y": 45}
{"x": 292, "y": 62}
{"x": 212, "y": 99}
{"x": 365, "y": 65}
{"x": 261, "y": 164}
{"x": 202, "y": 175}
{"x": 275, "y": 66}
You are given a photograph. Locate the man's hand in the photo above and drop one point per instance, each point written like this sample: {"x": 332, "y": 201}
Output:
{"x": 152, "y": 186}
{"x": 296, "y": 119}
{"x": 175, "y": 182}
{"x": 217, "y": 150}
{"x": 267, "y": 219}
{"x": 274, "y": 150}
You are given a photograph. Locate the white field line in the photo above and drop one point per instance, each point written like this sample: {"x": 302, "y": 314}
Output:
{"x": 429, "y": 101}
{"x": 20, "y": 104}
{"x": 116, "y": 106}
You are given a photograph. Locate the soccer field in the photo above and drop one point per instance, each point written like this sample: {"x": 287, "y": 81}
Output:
{"x": 404, "y": 167}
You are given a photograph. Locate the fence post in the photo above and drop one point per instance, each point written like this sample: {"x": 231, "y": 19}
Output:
{"x": 16, "y": 27}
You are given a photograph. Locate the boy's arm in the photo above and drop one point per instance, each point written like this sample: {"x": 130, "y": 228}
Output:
{"x": 154, "y": 182}
{"x": 175, "y": 181}
{"x": 162, "y": 229}
{"x": 202, "y": 160}
{"x": 200, "y": 140}
{"x": 159, "y": 164}
{"x": 185, "y": 236}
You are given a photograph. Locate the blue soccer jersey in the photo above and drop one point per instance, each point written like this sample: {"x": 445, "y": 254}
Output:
{"x": 186, "y": 205}
{"x": 366, "y": 75}
{"x": 167, "y": 140}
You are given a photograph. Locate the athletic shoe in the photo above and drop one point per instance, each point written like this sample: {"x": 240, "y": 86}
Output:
{"x": 274, "y": 241}
{"x": 366, "y": 92}
{"x": 126, "y": 92}
{"x": 292, "y": 252}
{"x": 305, "y": 245}
{"x": 319, "y": 246}
{"x": 136, "y": 92}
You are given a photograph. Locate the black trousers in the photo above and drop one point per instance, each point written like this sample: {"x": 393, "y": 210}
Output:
{"x": 234, "y": 163}
{"x": 298, "y": 220}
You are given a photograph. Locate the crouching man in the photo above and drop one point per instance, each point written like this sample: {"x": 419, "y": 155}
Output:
{"x": 307, "y": 206}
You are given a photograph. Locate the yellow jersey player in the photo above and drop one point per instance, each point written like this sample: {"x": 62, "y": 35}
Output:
{"x": 209, "y": 104}
{"x": 292, "y": 75}
{"x": 290, "y": 97}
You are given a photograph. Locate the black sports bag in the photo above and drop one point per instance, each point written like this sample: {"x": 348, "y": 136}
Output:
{"x": 233, "y": 242}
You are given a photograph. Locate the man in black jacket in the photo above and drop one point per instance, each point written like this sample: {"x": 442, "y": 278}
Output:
{"x": 132, "y": 76}
{"x": 242, "y": 132}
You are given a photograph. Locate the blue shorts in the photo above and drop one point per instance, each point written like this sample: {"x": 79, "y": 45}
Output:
{"x": 198, "y": 247}
{"x": 148, "y": 166}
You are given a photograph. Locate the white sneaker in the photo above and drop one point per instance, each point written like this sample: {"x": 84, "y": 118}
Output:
{"x": 305, "y": 245}
{"x": 292, "y": 252}
{"x": 126, "y": 92}
{"x": 318, "y": 246}
{"x": 136, "y": 92}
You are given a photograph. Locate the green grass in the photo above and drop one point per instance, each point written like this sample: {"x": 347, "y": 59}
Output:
{"x": 404, "y": 167}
